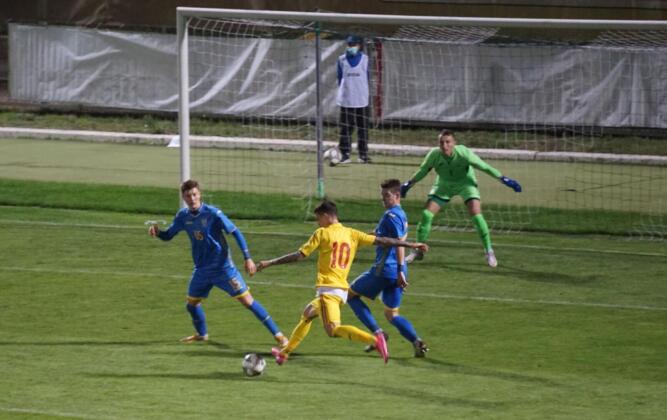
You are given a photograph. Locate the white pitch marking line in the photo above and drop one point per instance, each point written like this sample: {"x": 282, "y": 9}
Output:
{"x": 303, "y": 286}
{"x": 50, "y": 413}
{"x": 541, "y": 302}
{"x": 61, "y": 224}
{"x": 303, "y": 235}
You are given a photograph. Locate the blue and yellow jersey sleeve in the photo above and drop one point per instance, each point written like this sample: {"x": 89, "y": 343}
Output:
{"x": 337, "y": 246}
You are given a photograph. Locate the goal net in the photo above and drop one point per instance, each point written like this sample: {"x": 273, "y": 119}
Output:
{"x": 575, "y": 111}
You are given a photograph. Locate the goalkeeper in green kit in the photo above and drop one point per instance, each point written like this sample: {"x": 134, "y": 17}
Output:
{"x": 454, "y": 166}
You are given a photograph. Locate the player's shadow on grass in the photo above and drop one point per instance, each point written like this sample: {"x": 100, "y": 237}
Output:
{"x": 212, "y": 376}
{"x": 84, "y": 343}
{"x": 527, "y": 275}
{"x": 454, "y": 368}
{"x": 202, "y": 351}
{"x": 214, "y": 344}
{"x": 219, "y": 350}
{"x": 432, "y": 396}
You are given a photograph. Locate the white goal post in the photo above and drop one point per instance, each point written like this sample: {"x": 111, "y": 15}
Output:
{"x": 539, "y": 110}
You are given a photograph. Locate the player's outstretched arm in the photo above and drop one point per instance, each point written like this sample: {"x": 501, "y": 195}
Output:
{"x": 423, "y": 170}
{"x": 285, "y": 259}
{"x": 513, "y": 184}
{"x": 166, "y": 235}
{"x": 387, "y": 242}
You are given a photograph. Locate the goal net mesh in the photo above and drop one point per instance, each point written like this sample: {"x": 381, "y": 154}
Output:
{"x": 578, "y": 117}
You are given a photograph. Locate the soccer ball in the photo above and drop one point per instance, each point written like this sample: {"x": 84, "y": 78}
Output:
{"x": 253, "y": 364}
{"x": 333, "y": 155}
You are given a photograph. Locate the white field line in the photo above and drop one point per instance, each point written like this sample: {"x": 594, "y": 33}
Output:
{"x": 300, "y": 235}
{"x": 50, "y": 413}
{"x": 310, "y": 146}
{"x": 279, "y": 283}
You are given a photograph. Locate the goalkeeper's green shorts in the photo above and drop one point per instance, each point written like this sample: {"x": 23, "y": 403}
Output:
{"x": 441, "y": 194}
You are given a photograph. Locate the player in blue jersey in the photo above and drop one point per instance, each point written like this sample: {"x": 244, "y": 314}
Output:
{"x": 388, "y": 275}
{"x": 205, "y": 225}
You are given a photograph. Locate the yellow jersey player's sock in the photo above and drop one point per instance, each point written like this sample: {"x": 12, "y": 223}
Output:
{"x": 353, "y": 333}
{"x": 298, "y": 334}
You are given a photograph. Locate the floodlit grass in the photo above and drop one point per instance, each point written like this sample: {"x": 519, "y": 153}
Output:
{"x": 92, "y": 310}
{"x": 252, "y": 184}
{"x": 282, "y": 207}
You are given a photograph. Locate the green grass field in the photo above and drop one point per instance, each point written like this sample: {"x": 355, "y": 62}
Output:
{"x": 92, "y": 310}
{"x": 568, "y": 326}
{"x": 565, "y": 197}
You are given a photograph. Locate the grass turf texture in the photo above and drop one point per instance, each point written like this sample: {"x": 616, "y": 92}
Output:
{"x": 281, "y": 207}
{"x": 581, "y": 141}
{"x": 557, "y": 197}
{"x": 93, "y": 309}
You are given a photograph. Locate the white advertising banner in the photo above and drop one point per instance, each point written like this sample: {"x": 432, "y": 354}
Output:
{"x": 423, "y": 82}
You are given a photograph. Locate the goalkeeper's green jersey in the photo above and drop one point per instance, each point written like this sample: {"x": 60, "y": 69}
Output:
{"x": 456, "y": 170}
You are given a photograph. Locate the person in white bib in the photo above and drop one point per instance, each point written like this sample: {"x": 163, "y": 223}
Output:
{"x": 353, "y": 99}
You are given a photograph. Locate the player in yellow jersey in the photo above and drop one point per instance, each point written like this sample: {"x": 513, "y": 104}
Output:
{"x": 337, "y": 245}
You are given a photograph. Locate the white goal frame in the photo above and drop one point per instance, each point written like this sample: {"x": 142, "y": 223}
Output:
{"x": 183, "y": 14}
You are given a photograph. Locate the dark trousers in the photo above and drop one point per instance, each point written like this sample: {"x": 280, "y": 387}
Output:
{"x": 349, "y": 119}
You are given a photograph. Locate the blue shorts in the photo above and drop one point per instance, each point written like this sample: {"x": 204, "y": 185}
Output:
{"x": 369, "y": 285}
{"x": 229, "y": 280}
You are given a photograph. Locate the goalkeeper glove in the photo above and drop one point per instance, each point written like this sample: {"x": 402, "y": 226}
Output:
{"x": 406, "y": 187}
{"x": 511, "y": 183}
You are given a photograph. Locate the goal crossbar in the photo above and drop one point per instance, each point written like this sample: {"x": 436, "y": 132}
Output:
{"x": 424, "y": 20}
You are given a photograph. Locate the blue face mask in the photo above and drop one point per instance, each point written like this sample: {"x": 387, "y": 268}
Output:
{"x": 352, "y": 50}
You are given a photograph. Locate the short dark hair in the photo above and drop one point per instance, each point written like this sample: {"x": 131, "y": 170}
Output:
{"x": 188, "y": 185}
{"x": 446, "y": 132}
{"x": 327, "y": 207}
{"x": 392, "y": 184}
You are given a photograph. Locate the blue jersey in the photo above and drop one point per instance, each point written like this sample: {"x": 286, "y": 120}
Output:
{"x": 210, "y": 249}
{"x": 393, "y": 224}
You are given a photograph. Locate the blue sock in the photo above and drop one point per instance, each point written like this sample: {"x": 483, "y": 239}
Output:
{"x": 261, "y": 314}
{"x": 198, "y": 318}
{"x": 362, "y": 312}
{"x": 405, "y": 328}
